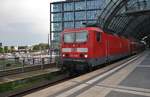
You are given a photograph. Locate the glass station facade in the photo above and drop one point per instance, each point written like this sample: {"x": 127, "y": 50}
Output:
{"x": 72, "y": 14}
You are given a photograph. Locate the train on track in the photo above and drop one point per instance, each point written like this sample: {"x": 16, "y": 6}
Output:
{"x": 88, "y": 47}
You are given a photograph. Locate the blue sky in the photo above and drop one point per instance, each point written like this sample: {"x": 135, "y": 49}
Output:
{"x": 24, "y": 22}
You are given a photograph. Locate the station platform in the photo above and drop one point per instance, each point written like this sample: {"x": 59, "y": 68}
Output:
{"x": 130, "y": 79}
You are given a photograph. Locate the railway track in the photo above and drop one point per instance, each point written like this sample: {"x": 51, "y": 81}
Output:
{"x": 25, "y": 69}
{"x": 65, "y": 77}
{"x": 60, "y": 78}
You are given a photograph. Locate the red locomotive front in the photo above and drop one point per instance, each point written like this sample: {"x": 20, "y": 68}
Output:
{"x": 77, "y": 47}
{"x": 75, "y": 43}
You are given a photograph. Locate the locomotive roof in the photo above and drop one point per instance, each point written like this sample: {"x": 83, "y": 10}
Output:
{"x": 84, "y": 28}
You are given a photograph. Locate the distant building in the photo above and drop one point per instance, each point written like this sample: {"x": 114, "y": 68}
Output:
{"x": 22, "y": 48}
{"x": 1, "y": 44}
{"x": 72, "y": 14}
{"x": 75, "y": 0}
{"x": 16, "y": 48}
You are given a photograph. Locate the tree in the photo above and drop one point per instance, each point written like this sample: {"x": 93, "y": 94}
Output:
{"x": 41, "y": 46}
{"x": 12, "y": 48}
{"x": 36, "y": 48}
{"x": 1, "y": 50}
{"x": 6, "y": 49}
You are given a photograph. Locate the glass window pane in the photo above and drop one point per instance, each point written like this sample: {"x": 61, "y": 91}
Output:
{"x": 90, "y": 5}
{"x": 91, "y": 14}
{"x": 56, "y": 26}
{"x": 57, "y": 17}
{"x": 68, "y": 25}
{"x": 79, "y": 24}
{"x": 56, "y": 7}
{"x": 56, "y": 36}
{"x": 96, "y": 4}
{"x": 92, "y": 22}
{"x": 80, "y": 5}
{"x": 69, "y": 16}
{"x": 103, "y": 3}
{"x": 93, "y": 4}
{"x": 80, "y": 16}
{"x": 68, "y": 6}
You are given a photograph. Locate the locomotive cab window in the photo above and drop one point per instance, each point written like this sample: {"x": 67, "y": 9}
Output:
{"x": 69, "y": 37}
{"x": 81, "y": 36}
{"x": 98, "y": 36}
{"x": 75, "y": 37}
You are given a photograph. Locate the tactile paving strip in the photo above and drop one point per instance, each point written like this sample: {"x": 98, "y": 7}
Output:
{"x": 121, "y": 94}
{"x": 146, "y": 61}
{"x": 139, "y": 78}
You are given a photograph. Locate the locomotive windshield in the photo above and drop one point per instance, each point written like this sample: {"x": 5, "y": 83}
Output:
{"x": 76, "y": 37}
{"x": 81, "y": 36}
{"x": 69, "y": 37}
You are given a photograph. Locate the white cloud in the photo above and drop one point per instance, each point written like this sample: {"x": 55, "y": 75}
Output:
{"x": 23, "y": 19}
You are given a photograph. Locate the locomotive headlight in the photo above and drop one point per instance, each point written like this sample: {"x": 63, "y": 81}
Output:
{"x": 85, "y": 56}
{"x": 63, "y": 55}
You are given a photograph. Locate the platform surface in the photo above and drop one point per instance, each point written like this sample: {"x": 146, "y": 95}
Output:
{"x": 131, "y": 79}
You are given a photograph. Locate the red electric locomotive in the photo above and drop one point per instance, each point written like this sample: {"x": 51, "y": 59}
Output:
{"x": 84, "y": 48}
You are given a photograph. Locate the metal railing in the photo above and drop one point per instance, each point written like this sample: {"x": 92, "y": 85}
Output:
{"x": 26, "y": 61}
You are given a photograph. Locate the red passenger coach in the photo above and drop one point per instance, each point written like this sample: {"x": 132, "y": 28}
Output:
{"x": 84, "y": 48}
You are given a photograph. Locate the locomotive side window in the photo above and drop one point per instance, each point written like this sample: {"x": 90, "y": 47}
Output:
{"x": 98, "y": 37}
